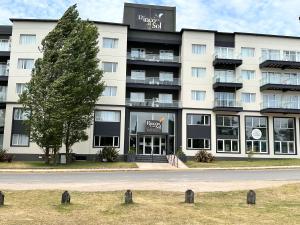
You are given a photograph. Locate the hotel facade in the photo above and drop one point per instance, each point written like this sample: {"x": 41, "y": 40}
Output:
{"x": 227, "y": 93}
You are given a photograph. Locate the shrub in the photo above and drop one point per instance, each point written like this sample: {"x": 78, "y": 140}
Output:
{"x": 180, "y": 154}
{"x": 4, "y": 156}
{"x": 132, "y": 150}
{"x": 110, "y": 154}
{"x": 204, "y": 156}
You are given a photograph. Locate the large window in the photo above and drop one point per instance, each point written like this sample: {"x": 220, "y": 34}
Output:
{"x": 106, "y": 141}
{"x": 110, "y": 42}
{"x": 224, "y": 52}
{"x": 165, "y": 98}
{"x": 270, "y": 54}
{"x": 247, "y": 74}
{"x": 110, "y": 67}
{"x": 198, "y": 72}
{"x": 284, "y": 135}
{"x": 198, "y": 143}
{"x": 20, "y": 140}
{"x": 137, "y": 96}
{"x": 165, "y": 76}
{"x": 20, "y": 88}
{"x": 110, "y": 91}
{"x": 107, "y": 116}
{"x": 25, "y": 64}
{"x": 227, "y": 76}
{"x": 228, "y": 134}
{"x": 20, "y": 114}
{"x": 256, "y": 134}
{"x": 138, "y": 74}
{"x": 247, "y": 52}
{"x": 166, "y": 55}
{"x": 198, "y": 49}
{"x": 27, "y": 39}
{"x": 248, "y": 97}
{"x": 198, "y": 95}
{"x": 198, "y": 119}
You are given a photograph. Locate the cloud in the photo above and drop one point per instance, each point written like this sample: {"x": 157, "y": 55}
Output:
{"x": 257, "y": 16}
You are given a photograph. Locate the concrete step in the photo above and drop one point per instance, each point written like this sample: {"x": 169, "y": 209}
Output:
{"x": 148, "y": 158}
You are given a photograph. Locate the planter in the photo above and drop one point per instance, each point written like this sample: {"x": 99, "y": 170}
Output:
{"x": 130, "y": 158}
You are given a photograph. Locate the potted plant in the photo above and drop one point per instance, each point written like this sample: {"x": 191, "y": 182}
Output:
{"x": 131, "y": 154}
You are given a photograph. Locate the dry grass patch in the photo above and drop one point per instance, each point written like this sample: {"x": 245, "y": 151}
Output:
{"x": 274, "y": 206}
{"x": 244, "y": 163}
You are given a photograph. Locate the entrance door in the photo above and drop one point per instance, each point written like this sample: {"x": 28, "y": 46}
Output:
{"x": 149, "y": 145}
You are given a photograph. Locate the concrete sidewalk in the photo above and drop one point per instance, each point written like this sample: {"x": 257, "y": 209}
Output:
{"x": 146, "y": 167}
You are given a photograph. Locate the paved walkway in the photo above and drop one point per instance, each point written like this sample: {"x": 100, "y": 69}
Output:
{"x": 155, "y": 166}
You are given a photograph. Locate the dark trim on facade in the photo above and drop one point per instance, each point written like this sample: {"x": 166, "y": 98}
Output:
{"x": 227, "y": 109}
{"x": 151, "y": 86}
{"x": 11, "y": 131}
{"x": 227, "y": 87}
{"x": 152, "y": 63}
{"x": 219, "y": 63}
{"x": 280, "y": 87}
{"x": 281, "y": 64}
{"x": 280, "y": 110}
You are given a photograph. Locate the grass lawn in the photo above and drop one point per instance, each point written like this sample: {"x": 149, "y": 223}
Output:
{"x": 274, "y": 207}
{"x": 245, "y": 163}
{"x": 74, "y": 165}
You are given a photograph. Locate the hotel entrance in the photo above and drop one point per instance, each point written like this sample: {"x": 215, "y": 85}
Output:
{"x": 152, "y": 144}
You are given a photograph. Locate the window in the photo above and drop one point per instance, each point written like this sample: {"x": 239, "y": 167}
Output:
{"x": 226, "y": 76}
{"x": 271, "y": 54}
{"x": 247, "y": 52}
{"x": 248, "y": 97}
{"x": 27, "y": 39}
{"x": 198, "y": 95}
{"x": 110, "y": 67}
{"x": 110, "y": 91}
{"x": 165, "y": 98}
{"x": 198, "y": 119}
{"x": 291, "y": 56}
{"x": 165, "y": 76}
{"x": 256, "y": 134}
{"x": 20, "y": 114}
{"x": 224, "y": 52}
{"x": 25, "y": 64}
{"x": 167, "y": 55}
{"x": 228, "y": 134}
{"x": 198, "y": 72}
{"x": 284, "y": 136}
{"x": 110, "y": 43}
{"x": 4, "y": 44}
{"x": 137, "y": 96}
{"x": 3, "y": 91}
{"x": 198, "y": 143}
{"x": 20, "y": 140}
{"x": 107, "y": 116}
{"x": 138, "y": 53}
{"x": 20, "y": 88}
{"x": 138, "y": 74}
{"x": 198, "y": 49}
{"x": 248, "y": 74}
{"x": 225, "y": 99}
{"x": 106, "y": 141}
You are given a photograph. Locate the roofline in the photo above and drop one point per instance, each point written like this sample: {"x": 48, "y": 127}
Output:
{"x": 55, "y": 21}
{"x": 151, "y": 6}
{"x": 157, "y": 31}
{"x": 267, "y": 35}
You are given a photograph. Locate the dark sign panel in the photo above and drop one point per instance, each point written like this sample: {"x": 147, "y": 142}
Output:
{"x": 150, "y": 17}
{"x": 153, "y": 126}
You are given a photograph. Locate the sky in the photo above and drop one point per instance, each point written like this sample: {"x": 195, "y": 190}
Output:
{"x": 254, "y": 16}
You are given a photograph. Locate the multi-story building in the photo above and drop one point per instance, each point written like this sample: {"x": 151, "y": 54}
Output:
{"x": 227, "y": 93}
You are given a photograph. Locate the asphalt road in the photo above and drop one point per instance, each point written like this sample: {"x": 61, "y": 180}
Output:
{"x": 148, "y": 179}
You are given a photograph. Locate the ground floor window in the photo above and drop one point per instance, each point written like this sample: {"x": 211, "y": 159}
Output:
{"x": 227, "y": 133}
{"x": 198, "y": 143}
{"x": 284, "y": 136}
{"x": 106, "y": 141}
{"x": 256, "y": 134}
{"x": 20, "y": 140}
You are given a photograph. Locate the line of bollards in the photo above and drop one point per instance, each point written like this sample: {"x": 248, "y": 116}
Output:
{"x": 189, "y": 197}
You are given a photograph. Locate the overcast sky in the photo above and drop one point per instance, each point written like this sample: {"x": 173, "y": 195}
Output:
{"x": 258, "y": 16}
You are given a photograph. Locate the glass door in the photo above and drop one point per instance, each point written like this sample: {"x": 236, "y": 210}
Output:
{"x": 156, "y": 145}
{"x": 148, "y": 145}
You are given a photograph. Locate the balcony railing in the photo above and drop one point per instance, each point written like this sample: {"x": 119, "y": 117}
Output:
{"x": 226, "y": 56}
{"x": 153, "y": 81}
{"x": 227, "y": 103}
{"x": 4, "y": 45}
{"x": 280, "y": 104}
{"x": 280, "y": 57}
{"x": 153, "y": 103}
{"x": 153, "y": 57}
{"x": 227, "y": 79}
{"x": 280, "y": 80}
{"x": 3, "y": 69}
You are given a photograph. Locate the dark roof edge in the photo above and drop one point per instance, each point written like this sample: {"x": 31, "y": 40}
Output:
{"x": 197, "y": 30}
{"x": 55, "y": 20}
{"x": 151, "y": 6}
{"x": 158, "y": 31}
{"x": 267, "y": 35}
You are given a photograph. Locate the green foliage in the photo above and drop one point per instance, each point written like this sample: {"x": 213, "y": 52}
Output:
{"x": 132, "y": 150}
{"x": 4, "y": 156}
{"x": 204, "y": 156}
{"x": 109, "y": 154}
{"x": 65, "y": 84}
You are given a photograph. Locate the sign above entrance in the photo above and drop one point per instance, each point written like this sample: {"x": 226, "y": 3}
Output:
{"x": 153, "y": 126}
{"x": 256, "y": 134}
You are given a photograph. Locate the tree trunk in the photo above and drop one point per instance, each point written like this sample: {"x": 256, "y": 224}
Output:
{"x": 68, "y": 157}
{"x": 47, "y": 160}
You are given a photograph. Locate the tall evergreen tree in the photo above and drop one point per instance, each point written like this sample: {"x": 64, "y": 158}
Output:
{"x": 69, "y": 68}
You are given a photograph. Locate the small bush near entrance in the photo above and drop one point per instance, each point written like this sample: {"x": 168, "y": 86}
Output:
{"x": 108, "y": 154}
{"x": 4, "y": 156}
{"x": 204, "y": 156}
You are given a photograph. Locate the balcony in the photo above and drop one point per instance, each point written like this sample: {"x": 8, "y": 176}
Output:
{"x": 3, "y": 69}
{"x": 281, "y": 83}
{"x": 227, "y": 105}
{"x": 4, "y": 45}
{"x": 226, "y": 61}
{"x": 153, "y": 60}
{"x": 153, "y": 103}
{"x": 280, "y": 106}
{"x": 153, "y": 83}
{"x": 280, "y": 61}
{"x": 227, "y": 83}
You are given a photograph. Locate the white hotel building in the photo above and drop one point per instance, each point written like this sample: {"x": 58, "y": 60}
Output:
{"x": 227, "y": 93}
